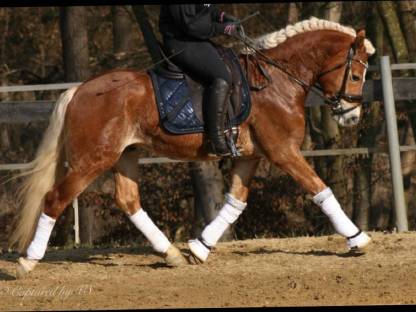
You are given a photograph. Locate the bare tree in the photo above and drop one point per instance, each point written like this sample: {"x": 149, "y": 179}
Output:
{"x": 333, "y": 11}
{"x": 407, "y": 9}
{"x": 368, "y": 137}
{"x": 122, "y": 30}
{"x": 4, "y": 96}
{"x": 74, "y": 36}
{"x": 208, "y": 186}
{"x": 388, "y": 13}
{"x": 407, "y": 15}
{"x": 293, "y": 13}
{"x": 397, "y": 33}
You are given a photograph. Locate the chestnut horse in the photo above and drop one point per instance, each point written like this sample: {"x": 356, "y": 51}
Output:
{"x": 101, "y": 124}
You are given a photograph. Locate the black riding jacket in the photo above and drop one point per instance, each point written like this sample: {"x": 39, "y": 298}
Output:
{"x": 190, "y": 21}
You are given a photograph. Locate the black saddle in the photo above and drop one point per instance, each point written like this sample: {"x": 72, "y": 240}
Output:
{"x": 180, "y": 99}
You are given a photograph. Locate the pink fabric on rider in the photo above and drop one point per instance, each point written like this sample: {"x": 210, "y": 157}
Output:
{"x": 229, "y": 29}
{"x": 222, "y": 17}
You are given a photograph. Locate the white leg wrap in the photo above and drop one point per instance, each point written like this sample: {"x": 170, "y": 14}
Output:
{"x": 360, "y": 241}
{"x": 213, "y": 231}
{"x": 227, "y": 215}
{"x": 198, "y": 249}
{"x": 37, "y": 247}
{"x": 330, "y": 206}
{"x": 156, "y": 237}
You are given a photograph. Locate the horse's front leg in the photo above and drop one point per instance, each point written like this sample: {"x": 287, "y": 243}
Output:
{"x": 293, "y": 163}
{"x": 235, "y": 202}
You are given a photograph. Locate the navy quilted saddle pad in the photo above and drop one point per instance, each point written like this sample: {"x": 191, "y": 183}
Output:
{"x": 180, "y": 100}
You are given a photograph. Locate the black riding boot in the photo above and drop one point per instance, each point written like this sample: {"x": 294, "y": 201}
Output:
{"x": 215, "y": 116}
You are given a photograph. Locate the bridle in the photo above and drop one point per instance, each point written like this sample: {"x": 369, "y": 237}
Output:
{"x": 334, "y": 102}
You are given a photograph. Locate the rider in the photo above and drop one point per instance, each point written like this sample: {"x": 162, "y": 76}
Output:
{"x": 189, "y": 27}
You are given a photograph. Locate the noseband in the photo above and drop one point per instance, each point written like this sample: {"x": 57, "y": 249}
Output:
{"x": 335, "y": 101}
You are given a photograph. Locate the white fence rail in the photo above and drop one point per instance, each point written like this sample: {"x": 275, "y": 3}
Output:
{"x": 39, "y": 87}
{"x": 62, "y": 86}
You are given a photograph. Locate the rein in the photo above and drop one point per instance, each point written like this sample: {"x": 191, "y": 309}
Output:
{"x": 333, "y": 102}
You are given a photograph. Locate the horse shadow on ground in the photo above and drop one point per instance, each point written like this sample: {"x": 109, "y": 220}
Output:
{"x": 4, "y": 276}
{"x": 317, "y": 253}
{"x": 97, "y": 256}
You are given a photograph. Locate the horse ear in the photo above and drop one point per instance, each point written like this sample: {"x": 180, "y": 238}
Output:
{"x": 361, "y": 32}
{"x": 359, "y": 39}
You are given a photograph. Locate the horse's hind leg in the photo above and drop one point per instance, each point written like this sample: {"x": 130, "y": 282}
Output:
{"x": 235, "y": 202}
{"x": 128, "y": 199}
{"x": 56, "y": 201}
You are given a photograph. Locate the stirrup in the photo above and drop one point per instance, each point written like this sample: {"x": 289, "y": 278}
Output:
{"x": 213, "y": 153}
{"x": 231, "y": 136}
{"x": 235, "y": 152}
{"x": 212, "y": 150}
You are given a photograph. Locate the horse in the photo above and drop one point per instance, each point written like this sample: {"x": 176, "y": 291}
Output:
{"x": 101, "y": 125}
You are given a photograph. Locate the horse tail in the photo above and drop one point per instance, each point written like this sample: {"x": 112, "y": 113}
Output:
{"x": 41, "y": 177}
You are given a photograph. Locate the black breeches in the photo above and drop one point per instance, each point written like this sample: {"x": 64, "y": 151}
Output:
{"x": 200, "y": 60}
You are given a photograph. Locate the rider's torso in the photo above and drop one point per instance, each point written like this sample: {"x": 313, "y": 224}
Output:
{"x": 175, "y": 21}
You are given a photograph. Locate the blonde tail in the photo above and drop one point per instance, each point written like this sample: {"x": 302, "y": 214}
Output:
{"x": 41, "y": 177}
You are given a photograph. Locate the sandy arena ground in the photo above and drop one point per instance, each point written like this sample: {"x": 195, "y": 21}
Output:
{"x": 305, "y": 271}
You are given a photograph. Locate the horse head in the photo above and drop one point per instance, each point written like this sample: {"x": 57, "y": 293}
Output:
{"x": 324, "y": 57}
{"x": 342, "y": 79}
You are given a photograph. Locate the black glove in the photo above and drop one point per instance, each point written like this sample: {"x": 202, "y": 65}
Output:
{"x": 230, "y": 19}
{"x": 233, "y": 29}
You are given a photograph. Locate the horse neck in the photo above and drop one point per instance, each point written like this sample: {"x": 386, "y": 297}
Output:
{"x": 306, "y": 53}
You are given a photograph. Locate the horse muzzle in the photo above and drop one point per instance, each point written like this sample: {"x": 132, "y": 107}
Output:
{"x": 347, "y": 114}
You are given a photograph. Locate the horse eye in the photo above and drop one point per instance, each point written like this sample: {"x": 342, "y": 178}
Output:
{"x": 355, "y": 78}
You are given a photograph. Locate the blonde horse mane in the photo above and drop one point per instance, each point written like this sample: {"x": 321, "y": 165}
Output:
{"x": 273, "y": 39}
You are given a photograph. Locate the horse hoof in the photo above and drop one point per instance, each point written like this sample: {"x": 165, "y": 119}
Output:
{"x": 360, "y": 244}
{"x": 174, "y": 258}
{"x": 192, "y": 259}
{"x": 24, "y": 267}
{"x": 199, "y": 253}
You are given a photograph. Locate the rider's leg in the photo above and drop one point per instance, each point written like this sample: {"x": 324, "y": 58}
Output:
{"x": 201, "y": 60}
{"x": 215, "y": 112}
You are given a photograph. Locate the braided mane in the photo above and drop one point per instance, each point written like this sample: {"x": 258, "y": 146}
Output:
{"x": 273, "y": 39}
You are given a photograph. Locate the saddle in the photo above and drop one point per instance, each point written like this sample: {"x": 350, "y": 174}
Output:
{"x": 180, "y": 99}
